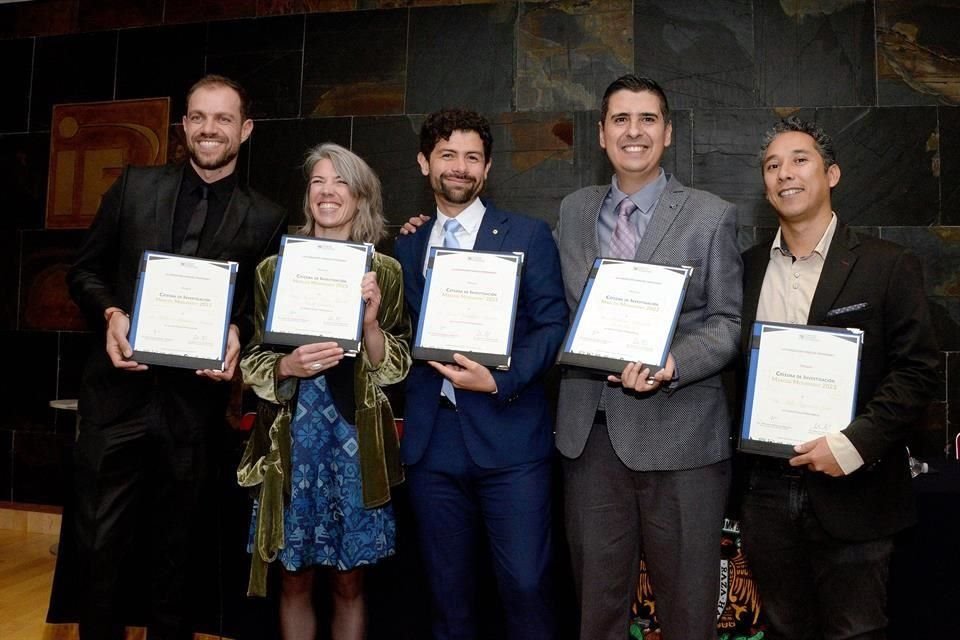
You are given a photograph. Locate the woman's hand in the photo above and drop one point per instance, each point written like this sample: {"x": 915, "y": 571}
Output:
{"x": 370, "y": 291}
{"x": 310, "y": 359}
{"x": 373, "y": 340}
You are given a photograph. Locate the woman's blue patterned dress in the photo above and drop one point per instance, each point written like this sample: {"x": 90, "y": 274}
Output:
{"x": 325, "y": 522}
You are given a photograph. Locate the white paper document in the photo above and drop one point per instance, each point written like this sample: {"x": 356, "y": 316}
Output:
{"x": 469, "y": 305}
{"x": 802, "y": 383}
{"x": 316, "y": 292}
{"x": 628, "y": 313}
{"x": 182, "y": 311}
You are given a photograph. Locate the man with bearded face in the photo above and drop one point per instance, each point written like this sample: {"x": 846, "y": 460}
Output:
{"x": 144, "y": 433}
{"x": 477, "y": 443}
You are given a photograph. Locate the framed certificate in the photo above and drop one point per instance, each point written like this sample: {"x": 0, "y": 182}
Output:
{"x": 182, "y": 311}
{"x": 628, "y": 313}
{"x": 469, "y": 306}
{"x": 316, "y": 293}
{"x": 801, "y": 384}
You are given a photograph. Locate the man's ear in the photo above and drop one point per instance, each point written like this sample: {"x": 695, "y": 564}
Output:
{"x": 603, "y": 145}
{"x": 833, "y": 175}
{"x": 246, "y": 129}
{"x": 424, "y": 165}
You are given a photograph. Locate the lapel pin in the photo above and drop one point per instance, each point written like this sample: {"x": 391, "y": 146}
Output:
{"x": 496, "y": 231}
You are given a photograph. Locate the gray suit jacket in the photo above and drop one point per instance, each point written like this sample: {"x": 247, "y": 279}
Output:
{"x": 689, "y": 425}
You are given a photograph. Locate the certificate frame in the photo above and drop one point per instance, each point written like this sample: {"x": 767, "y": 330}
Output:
{"x": 497, "y": 360}
{"x": 143, "y": 354}
{"x": 614, "y": 365}
{"x": 286, "y": 340}
{"x": 766, "y": 447}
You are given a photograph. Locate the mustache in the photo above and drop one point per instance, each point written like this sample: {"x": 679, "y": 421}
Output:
{"x": 458, "y": 176}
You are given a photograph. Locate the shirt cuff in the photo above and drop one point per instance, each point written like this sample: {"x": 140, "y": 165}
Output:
{"x": 845, "y": 453}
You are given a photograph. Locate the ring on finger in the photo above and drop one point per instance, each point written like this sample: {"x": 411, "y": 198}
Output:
{"x": 316, "y": 365}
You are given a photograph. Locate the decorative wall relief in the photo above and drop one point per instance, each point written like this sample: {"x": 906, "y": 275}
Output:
{"x": 89, "y": 146}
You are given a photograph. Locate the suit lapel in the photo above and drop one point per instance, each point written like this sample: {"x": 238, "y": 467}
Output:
{"x": 493, "y": 229}
{"x": 755, "y": 265}
{"x": 836, "y": 269}
{"x": 671, "y": 202}
{"x": 167, "y": 190}
{"x": 233, "y": 217}
{"x": 591, "y": 205}
{"x": 421, "y": 243}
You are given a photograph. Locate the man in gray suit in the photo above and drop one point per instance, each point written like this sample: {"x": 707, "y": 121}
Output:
{"x": 646, "y": 458}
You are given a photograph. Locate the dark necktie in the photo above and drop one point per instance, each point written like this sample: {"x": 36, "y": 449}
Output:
{"x": 191, "y": 240}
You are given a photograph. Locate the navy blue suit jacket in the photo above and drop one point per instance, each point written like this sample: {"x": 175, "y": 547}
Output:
{"x": 514, "y": 425}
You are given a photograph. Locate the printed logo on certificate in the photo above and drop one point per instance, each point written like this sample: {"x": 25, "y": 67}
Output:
{"x": 801, "y": 385}
{"x": 469, "y": 306}
{"x": 628, "y": 312}
{"x": 181, "y": 312}
{"x": 316, "y": 293}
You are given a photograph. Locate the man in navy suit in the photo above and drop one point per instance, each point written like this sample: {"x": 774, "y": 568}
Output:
{"x": 477, "y": 442}
{"x": 818, "y": 529}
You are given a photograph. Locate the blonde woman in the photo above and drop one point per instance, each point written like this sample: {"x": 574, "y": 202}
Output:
{"x": 324, "y": 452}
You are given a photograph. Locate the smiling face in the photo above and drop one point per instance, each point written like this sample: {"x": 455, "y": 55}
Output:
{"x": 635, "y": 134}
{"x": 214, "y": 129}
{"x": 332, "y": 203}
{"x": 457, "y": 170}
{"x": 796, "y": 182}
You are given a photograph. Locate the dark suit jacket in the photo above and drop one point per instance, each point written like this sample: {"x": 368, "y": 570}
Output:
{"x": 514, "y": 425}
{"x": 690, "y": 426}
{"x": 882, "y": 285}
{"x": 136, "y": 214}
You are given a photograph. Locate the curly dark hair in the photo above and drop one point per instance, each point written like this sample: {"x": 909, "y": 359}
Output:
{"x": 821, "y": 140}
{"x": 440, "y": 125}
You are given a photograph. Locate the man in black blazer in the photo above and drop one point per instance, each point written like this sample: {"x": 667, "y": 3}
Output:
{"x": 818, "y": 529}
{"x": 143, "y": 437}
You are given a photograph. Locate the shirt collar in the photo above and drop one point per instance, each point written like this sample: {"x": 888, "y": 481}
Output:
{"x": 645, "y": 198}
{"x": 220, "y": 189}
{"x": 470, "y": 218}
{"x": 778, "y": 248}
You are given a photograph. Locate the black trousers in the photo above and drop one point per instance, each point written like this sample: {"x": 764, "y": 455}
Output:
{"x": 133, "y": 476}
{"x": 813, "y": 586}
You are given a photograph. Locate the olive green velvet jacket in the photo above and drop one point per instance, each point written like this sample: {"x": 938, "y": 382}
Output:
{"x": 266, "y": 461}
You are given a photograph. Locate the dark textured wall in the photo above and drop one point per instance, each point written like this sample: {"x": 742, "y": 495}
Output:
{"x": 881, "y": 76}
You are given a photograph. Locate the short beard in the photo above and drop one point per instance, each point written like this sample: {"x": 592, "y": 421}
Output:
{"x": 213, "y": 164}
{"x": 456, "y": 196}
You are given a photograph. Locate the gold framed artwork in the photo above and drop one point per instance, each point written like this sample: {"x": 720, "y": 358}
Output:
{"x": 90, "y": 144}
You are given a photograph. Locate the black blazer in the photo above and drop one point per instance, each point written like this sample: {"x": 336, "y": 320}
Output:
{"x": 876, "y": 286}
{"x": 137, "y": 214}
